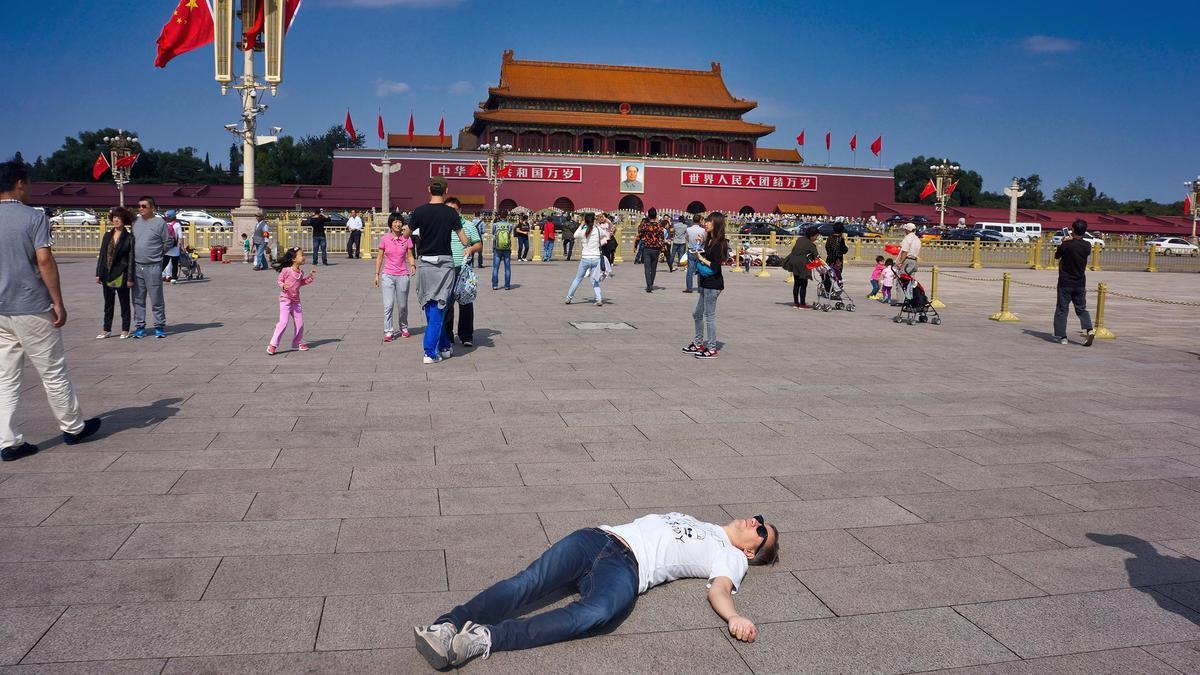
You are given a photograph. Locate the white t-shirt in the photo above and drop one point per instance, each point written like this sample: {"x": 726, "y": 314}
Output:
{"x": 674, "y": 546}
{"x": 911, "y": 244}
{"x": 354, "y": 223}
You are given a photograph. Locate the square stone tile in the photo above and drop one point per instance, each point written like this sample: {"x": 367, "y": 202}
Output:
{"x": 373, "y": 662}
{"x": 1081, "y": 622}
{"x": 191, "y": 540}
{"x": 281, "y": 576}
{"x": 29, "y": 544}
{"x": 93, "y": 632}
{"x": 861, "y": 484}
{"x": 801, "y": 463}
{"x": 1104, "y": 567}
{"x": 977, "y": 504}
{"x": 1182, "y": 656}
{"x": 103, "y": 581}
{"x": 1124, "y": 494}
{"x": 936, "y": 583}
{"x": 381, "y": 621}
{"x": 262, "y": 480}
{"x": 102, "y": 483}
{"x": 29, "y": 510}
{"x": 1110, "y": 662}
{"x": 1139, "y": 468}
{"x": 896, "y": 642}
{"x": 1004, "y": 476}
{"x": 21, "y": 628}
{"x": 954, "y": 539}
{"x": 343, "y": 504}
{"x": 517, "y": 530}
{"x": 1125, "y": 524}
{"x": 151, "y": 509}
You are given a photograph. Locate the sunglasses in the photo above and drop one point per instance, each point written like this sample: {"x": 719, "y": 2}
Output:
{"x": 762, "y": 532}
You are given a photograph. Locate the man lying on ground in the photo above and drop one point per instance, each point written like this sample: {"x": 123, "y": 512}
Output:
{"x": 609, "y": 567}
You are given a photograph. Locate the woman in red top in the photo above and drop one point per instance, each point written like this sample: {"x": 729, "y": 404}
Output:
{"x": 650, "y": 237}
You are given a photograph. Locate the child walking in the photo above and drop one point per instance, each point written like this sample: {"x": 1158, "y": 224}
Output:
{"x": 878, "y": 271}
{"x": 245, "y": 248}
{"x": 887, "y": 277}
{"x": 291, "y": 278}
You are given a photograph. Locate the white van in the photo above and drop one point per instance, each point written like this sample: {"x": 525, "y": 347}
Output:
{"x": 1034, "y": 230}
{"x": 1016, "y": 231}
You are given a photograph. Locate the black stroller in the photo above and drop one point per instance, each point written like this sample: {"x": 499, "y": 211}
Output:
{"x": 916, "y": 307}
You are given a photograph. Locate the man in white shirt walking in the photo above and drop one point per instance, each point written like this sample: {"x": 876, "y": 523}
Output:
{"x": 354, "y": 225}
{"x": 695, "y": 239}
{"x": 610, "y": 567}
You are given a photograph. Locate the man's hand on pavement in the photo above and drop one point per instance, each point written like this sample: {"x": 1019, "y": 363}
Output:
{"x": 742, "y": 629}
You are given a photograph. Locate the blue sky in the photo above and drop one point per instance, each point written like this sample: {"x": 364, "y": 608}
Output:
{"x": 1004, "y": 88}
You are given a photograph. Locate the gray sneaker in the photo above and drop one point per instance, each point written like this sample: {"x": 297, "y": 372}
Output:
{"x": 473, "y": 640}
{"x": 433, "y": 642}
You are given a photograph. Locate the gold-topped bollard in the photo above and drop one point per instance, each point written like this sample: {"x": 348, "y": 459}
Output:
{"x": 1102, "y": 333}
{"x": 934, "y": 301}
{"x": 857, "y": 248}
{"x": 1097, "y": 249}
{"x": 976, "y": 260}
{"x": 1004, "y": 314}
{"x": 1151, "y": 267}
{"x": 535, "y": 244}
{"x": 737, "y": 256}
{"x": 1036, "y": 263}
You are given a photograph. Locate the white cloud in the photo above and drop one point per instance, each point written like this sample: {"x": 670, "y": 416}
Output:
{"x": 1047, "y": 44}
{"x": 388, "y": 87}
{"x": 460, "y": 88}
{"x": 393, "y": 3}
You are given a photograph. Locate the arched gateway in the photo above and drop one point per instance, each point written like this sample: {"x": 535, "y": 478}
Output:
{"x": 696, "y": 207}
{"x": 631, "y": 202}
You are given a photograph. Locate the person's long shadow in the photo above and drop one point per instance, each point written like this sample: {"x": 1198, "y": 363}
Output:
{"x": 1165, "y": 578}
{"x": 1039, "y": 334}
{"x": 189, "y": 327}
{"x": 131, "y": 417}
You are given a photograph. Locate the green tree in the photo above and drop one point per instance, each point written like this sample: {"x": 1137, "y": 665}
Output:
{"x": 1033, "y": 197}
{"x": 306, "y": 161}
{"x": 74, "y": 161}
{"x": 911, "y": 178}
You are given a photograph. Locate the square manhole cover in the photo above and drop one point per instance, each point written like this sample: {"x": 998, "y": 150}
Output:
{"x": 602, "y": 325}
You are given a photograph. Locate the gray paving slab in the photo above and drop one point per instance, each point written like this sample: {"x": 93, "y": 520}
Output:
{"x": 60, "y": 462}
{"x": 937, "y": 583}
{"x": 190, "y": 540}
{"x": 977, "y": 504}
{"x": 861, "y": 484}
{"x": 1108, "y": 662}
{"x": 323, "y": 458}
{"x": 122, "y": 667}
{"x": 343, "y": 504}
{"x": 96, "y": 632}
{"x": 1138, "y": 468}
{"x": 954, "y": 539}
{"x": 85, "y": 542}
{"x": 799, "y": 463}
{"x": 698, "y": 492}
{"x": 1141, "y": 447}
{"x": 1051, "y": 626}
{"x": 897, "y": 642}
{"x": 262, "y": 480}
{"x": 919, "y": 459}
{"x": 381, "y": 621}
{"x": 21, "y": 628}
{"x": 281, "y": 576}
{"x": 1182, "y": 656}
{"x": 575, "y": 473}
{"x": 103, "y": 581}
{"x": 1004, "y": 476}
{"x": 195, "y": 459}
{"x": 151, "y": 509}
{"x": 1124, "y": 494}
{"x": 29, "y": 510}
{"x": 622, "y": 450}
{"x": 826, "y": 514}
{"x": 101, "y": 483}
{"x": 444, "y": 476}
{"x": 1104, "y": 567}
{"x": 374, "y": 662}
{"x": 1123, "y": 524}
{"x": 475, "y": 453}
{"x": 810, "y": 441}
{"x": 460, "y": 501}
{"x": 698, "y": 651}
{"x": 441, "y": 532}
{"x": 1022, "y": 454}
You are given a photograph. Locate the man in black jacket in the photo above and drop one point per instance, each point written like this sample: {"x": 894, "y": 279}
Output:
{"x": 318, "y": 222}
{"x": 1072, "y": 255}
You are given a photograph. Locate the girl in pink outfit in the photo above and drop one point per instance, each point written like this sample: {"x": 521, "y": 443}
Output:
{"x": 291, "y": 278}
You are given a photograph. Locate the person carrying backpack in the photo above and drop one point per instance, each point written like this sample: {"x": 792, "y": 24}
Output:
{"x": 502, "y": 235}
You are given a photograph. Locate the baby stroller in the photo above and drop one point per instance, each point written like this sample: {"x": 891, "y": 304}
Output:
{"x": 189, "y": 268}
{"x": 916, "y": 307}
{"x": 831, "y": 293}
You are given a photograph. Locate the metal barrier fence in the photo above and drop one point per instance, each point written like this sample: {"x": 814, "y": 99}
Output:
{"x": 1039, "y": 254}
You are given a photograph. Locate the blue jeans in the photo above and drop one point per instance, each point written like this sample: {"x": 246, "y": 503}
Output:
{"x": 676, "y": 252}
{"x": 601, "y": 568}
{"x": 522, "y": 248}
{"x": 260, "y": 256}
{"x": 691, "y": 270}
{"x": 874, "y": 286}
{"x": 586, "y": 266}
{"x": 499, "y": 257}
{"x": 319, "y": 246}
{"x": 548, "y": 250}
{"x": 704, "y": 315}
{"x": 435, "y": 339}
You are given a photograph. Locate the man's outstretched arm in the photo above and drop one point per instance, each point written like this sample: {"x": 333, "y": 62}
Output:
{"x": 720, "y": 596}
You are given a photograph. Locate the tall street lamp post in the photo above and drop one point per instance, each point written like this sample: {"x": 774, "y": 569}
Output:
{"x": 1194, "y": 186}
{"x": 495, "y": 152}
{"x": 942, "y": 174}
{"x": 120, "y": 147}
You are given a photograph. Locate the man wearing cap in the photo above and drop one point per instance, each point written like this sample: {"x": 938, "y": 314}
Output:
{"x": 261, "y": 233}
{"x": 435, "y": 265}
{"x": 910, "y": 250}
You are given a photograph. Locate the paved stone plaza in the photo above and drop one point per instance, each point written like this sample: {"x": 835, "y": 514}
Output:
{"x": 960, "y": 495}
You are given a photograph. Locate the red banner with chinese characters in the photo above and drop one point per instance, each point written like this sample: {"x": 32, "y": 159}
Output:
{"x": 747, "y": 179}
{"x": 544, "y": 173}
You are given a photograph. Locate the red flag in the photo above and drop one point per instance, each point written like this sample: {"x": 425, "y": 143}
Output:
{"x": 442, "y": 132}
{"x": 190, "y": 27}
{"x": 102, "y": 165}
{"x": 252, "y": 33}
{"x": 854, "y": 142}
{"x": 505, "y": 172}
{"x": 877, "y": 146}
{"x": 411, "y": 128}
{"x": 127, "y": 161}
{"x": 350, "y": 128}
{"x": 800, "y": 139}
{"x": 382, "y": 136}
{"x": 929, "y": 189}
{"x": 950, "y": 190}
{"x": 1187, "y": 205}
{"x": 891, "y": 249}
{"x": 827, "y": 137}
{"x": 476, "y": 170}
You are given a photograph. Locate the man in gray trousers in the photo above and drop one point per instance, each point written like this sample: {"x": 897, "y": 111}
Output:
{"x": 150, "y": 243}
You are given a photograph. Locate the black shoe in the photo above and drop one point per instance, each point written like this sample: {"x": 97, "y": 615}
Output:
{"x": 1091, "y": 336}
{"x": 89, "y": 427}
{"x": 18, "y": 451}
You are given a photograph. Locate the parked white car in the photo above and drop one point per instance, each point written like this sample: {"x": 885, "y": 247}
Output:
{"x": 1087, "y": 236}
{"x": 203, "y": 220}
{"x": 75, "y": 217}
{"x": 1173, "y": 246}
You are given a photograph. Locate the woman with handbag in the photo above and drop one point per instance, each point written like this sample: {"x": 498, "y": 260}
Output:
{"x": 708, "y": 265}
{"x": 114, "y": 269}
{"x": 803, "y": 252}
{"x": 465, "y": 283}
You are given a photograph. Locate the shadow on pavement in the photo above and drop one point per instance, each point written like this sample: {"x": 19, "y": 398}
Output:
{"x": 1159, "y": 575}
{"x": 1048, "y": 337}
{"x": 318, "y": 343}
{"x": 190, "y": 327}
{"x": 132, "y": 417}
